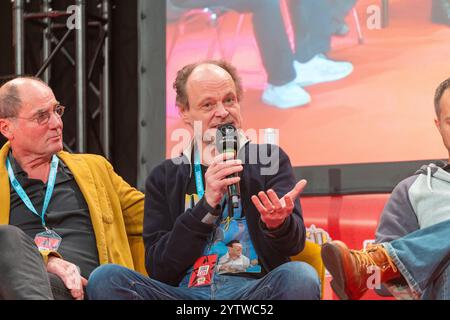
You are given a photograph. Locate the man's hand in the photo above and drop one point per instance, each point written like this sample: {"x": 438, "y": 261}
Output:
{"x": 273, "y": 210}
{"x": 216, "y": 181}
{"x": 69, "y": 274}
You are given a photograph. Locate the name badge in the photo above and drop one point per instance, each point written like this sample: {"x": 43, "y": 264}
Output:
{"x": 48, "y": 240}
{"x": 203, "y": 272}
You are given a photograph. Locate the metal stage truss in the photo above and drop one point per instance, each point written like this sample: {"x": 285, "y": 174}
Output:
{"x": 50, "y": 21}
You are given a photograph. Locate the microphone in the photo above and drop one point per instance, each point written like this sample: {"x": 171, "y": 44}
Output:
{"x": 227, "y": 141}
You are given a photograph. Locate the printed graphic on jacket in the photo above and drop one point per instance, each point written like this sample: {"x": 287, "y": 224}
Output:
{"x": 231, "y": 242}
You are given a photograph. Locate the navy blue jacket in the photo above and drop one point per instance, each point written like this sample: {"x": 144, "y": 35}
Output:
{"x": 174, "y": 238}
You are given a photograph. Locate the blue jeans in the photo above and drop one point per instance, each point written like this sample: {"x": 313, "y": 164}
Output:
{"x": 290, "y": 281}
{"x": 422, "y": 257}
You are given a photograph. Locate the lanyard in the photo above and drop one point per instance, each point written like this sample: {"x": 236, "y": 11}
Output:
{"x": 198, "y": 175}
{"x": 48, "y": 194}
{"x": 201, "y": 189}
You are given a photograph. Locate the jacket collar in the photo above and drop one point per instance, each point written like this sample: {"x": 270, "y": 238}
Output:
{"x": 17, "y": 169}
{"x": 4, "y": 185}
{"x": 4, "y": 181}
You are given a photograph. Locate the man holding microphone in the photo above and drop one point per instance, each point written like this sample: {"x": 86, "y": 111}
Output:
{"x": 188, "y": 220}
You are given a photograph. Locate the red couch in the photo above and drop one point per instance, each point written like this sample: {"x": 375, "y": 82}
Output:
{"x": 350, "y": 218}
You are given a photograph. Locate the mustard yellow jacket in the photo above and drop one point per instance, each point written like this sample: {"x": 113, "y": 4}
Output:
{"x": 116, "y": 208}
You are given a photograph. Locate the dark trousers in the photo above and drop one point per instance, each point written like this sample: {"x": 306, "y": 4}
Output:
{"x": 23, "y": 275}
{"x": 340, "y": 9}
{"x": 440, "y": 11}
{"x": 312, "y": 21}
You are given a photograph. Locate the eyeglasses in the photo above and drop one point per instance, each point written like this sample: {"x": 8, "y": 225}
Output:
{"x": 42, "y": 118}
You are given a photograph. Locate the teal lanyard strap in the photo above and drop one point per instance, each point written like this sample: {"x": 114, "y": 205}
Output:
{"x": 48, "y": 194}
{"x": 199, "y": 183}
{"x": 198, "y": 175}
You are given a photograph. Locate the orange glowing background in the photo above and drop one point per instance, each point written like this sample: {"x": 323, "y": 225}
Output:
{"x": 382, "y": 112}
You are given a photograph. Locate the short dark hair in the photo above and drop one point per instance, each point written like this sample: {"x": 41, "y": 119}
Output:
{"x": 183, "y": 74}
{"x": 445, "y": 85}
{"x": 230, "y": 244}
{"x": 10, "y": 101}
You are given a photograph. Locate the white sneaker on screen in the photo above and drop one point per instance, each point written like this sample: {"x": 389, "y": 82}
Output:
{"x": 321, "y": 69}
{"x": 286, "y": 96}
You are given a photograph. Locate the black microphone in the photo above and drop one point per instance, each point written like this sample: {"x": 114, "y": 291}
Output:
{"x": 227, "y": 141}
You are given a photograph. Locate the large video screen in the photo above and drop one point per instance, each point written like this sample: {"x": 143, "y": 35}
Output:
{"x": 354, "y": 85}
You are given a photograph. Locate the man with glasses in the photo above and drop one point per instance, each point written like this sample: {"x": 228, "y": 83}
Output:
{"x": 61, "y": 214}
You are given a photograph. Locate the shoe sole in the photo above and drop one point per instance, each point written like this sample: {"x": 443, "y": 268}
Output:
{"x": 284, "y": 106}
{"x": 332, "y": 79}
{"x": 333, "y": 262}
{"x": 339, "y": 291}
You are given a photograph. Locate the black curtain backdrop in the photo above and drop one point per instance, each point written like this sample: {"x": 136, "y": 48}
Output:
{"x": 6, "y": 50}
{"x": 124, "y": 92}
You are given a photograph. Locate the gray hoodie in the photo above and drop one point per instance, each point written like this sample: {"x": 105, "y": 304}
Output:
{"x": 416, "y": 203}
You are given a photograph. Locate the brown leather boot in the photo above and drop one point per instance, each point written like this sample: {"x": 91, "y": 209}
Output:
{"x": 351, "y": 268}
